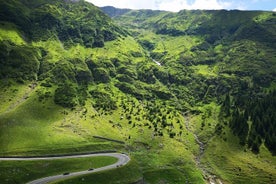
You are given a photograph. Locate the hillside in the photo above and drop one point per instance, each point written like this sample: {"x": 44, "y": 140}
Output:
{"x": 222, "y": 57}
{"x": 191, "y": 94}
{"x": 226, "y": 60}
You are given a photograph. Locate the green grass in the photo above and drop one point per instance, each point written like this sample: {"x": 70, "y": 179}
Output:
{"x": 49, "y": 128}
{"x": 23, "y": 171}
{"x": 54, "y": 131}
{"x": 54, "y": 48}
{"x": 172, "y": 175}
{"x": 12, "y": 94}
{"x": 127, "y": 174}
{"x": 235, "y": 164}
{"x": 205, "y": 123}
{"x": 174, "y": 48}
{"x": 28, "y": 118}
{"x": 29, "y": 126}
{"x": 205, "y": 70}
{"x": 225, "y": 158}
{"x": 122, "y": 49}
{"x": 9, "y": 31}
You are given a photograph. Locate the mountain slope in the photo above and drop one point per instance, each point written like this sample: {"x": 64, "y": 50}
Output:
{"x": 223, "y": 58}
{"x": 174, "y": 87}
{"x": 57, "y": 92}
{"x": 242, "y": 60}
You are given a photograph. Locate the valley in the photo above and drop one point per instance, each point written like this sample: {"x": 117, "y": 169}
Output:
{"x": 188, "y": 96}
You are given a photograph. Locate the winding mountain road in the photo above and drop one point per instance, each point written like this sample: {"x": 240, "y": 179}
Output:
{"x": 123, "y": 159}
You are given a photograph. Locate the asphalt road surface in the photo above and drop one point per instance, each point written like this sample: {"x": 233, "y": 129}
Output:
{"x": 123, "y": 159}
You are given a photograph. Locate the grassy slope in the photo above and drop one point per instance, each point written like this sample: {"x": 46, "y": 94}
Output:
{"x": 9, "y": 31}
{"x": 57, "y": 130}
{"x": 225, "y": 159}
{"x": 235, "y": 164}
{"x": 54, "y": 129}
{"x": 24, "y": 171}
{"x": 127, "y": 174}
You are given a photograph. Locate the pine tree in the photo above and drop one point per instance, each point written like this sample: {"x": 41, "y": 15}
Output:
{"x": 256, "y": 144}
{"x": 225, "y": 108}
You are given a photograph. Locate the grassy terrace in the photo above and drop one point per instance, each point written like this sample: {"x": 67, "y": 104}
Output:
{"x": 23, "y": 171}
{"x": 127, "y": 174}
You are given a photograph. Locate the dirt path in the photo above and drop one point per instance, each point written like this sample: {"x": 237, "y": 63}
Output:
{"x": 23, "y": 98}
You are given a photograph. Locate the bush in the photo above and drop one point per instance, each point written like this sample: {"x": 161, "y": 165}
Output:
{"x": 20, "y": 62}
{"x": 66, "y": 96}
{"x": 147, "y": 44}
{"x": 103, "y": 100}
{"x": 84, "y": 76}
{"x": 101, "y": 75}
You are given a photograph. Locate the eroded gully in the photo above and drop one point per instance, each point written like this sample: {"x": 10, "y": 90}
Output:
{"x": 210, "y": 178}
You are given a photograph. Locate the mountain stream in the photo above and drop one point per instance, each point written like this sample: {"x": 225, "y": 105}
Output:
{"x": 210, "y": 178}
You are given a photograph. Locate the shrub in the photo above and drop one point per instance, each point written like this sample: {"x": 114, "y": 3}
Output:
{"x": 101, "y": 75}
{"x": 66, "y": 95}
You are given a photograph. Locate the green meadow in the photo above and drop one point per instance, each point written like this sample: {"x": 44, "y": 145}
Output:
{"x": 24, "y": 171}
